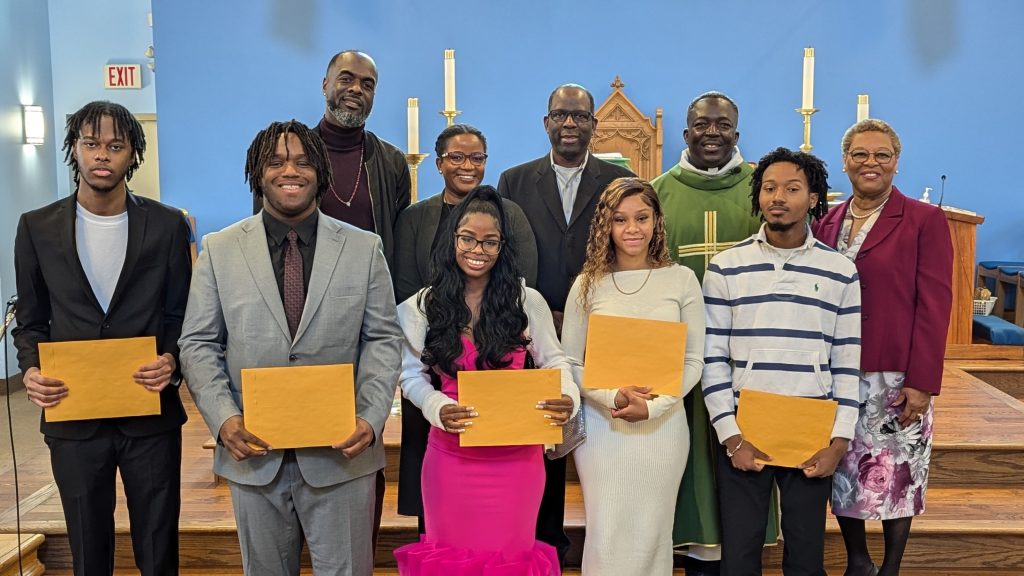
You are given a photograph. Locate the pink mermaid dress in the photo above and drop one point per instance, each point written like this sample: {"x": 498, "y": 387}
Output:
{"x": 480, "y": 504}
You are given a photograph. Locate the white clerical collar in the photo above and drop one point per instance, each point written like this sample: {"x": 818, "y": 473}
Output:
{"x": 733, "y": 162}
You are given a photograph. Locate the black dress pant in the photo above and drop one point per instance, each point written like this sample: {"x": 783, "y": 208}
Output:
{"x": 743, "y": 501}
{"x": 150, "y": 466}
{"x": 551, "y": 519}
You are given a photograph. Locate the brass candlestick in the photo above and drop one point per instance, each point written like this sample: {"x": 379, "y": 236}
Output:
{"x": 450, "y": 115}
{"x": 806, "y": 113}
{"x": 414, "y": 161}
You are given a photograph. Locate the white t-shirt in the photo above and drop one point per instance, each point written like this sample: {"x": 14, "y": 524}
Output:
{"x": 102, "y": 242}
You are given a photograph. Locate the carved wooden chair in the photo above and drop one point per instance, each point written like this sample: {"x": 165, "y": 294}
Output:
{"x": 623, "y": 128}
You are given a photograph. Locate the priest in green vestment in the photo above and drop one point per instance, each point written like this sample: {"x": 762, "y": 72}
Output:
{"x": 706, "y": 202}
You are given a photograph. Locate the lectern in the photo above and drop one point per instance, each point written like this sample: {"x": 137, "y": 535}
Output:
{"x": 963, "y": 231}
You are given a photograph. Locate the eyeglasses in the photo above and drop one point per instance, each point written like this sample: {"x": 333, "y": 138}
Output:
{"x": 469, "y": 243}
{"x": 458, "y": 158}
{"x": 578, "y": 116}
{"x": 861, "y": 156}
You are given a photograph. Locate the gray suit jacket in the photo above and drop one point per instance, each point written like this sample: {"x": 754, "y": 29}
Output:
{"x": 235, "y": 319}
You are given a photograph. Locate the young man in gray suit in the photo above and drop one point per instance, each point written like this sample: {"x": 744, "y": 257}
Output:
{"x": 291, "y": 287}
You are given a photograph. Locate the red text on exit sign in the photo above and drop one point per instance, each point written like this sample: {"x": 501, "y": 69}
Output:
{"x": 122, "y": 76}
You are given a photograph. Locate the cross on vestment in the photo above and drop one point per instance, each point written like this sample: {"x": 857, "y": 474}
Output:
{"x": 711, "y": 245}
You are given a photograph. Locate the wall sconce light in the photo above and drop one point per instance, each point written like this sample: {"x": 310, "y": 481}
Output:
{"x": 34, "y": 124}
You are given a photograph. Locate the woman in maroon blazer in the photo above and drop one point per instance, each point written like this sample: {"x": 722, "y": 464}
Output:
{"x": 904, "y": 257}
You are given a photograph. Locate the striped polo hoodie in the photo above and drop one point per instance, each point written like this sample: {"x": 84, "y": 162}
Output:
{"x": 781, "y": 321}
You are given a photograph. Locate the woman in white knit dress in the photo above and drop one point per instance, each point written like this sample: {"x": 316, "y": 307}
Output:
{"x": 632, "y": 462}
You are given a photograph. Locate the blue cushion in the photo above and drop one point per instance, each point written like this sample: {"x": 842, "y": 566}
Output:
{"x": 998, "y": 331}
{"x": 993, "y": 264}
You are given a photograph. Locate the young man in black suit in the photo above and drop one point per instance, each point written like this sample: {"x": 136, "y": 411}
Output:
{"x": 558, "y": 193}
{"x": 104, "y": 263}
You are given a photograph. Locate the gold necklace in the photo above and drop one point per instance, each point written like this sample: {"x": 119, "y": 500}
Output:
{"x": 624, "y": 293}
{"x": 359, "y": 175}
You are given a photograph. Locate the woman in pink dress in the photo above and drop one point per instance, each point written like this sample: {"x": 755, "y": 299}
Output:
{"x": 480, "y": 504}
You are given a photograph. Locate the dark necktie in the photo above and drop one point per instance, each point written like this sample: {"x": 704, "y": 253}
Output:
{"x": 294, "y": 291}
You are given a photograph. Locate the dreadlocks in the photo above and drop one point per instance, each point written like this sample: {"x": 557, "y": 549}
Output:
{"x": 262, "y": 150}
{"x": 812, "y": 167}
{"x": 126, "y": 128}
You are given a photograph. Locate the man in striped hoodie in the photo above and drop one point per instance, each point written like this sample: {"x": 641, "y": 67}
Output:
{"x": 783, "y": 316}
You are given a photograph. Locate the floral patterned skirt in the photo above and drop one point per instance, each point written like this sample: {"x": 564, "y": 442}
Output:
{"x": 884, "y": 475}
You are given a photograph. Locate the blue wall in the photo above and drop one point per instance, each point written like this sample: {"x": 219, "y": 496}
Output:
{"x": 86, "y": 36}
{"x": 28, "y": 178}
{"x": 943, "y": 72}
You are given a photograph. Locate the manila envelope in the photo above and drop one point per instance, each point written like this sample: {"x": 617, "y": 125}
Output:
{"x": 507, "y": 403}
{"x": 300, "y": 406}
{"x": 98, "y": 375}
{"x": 790, "y": 429}
{"x": 635, "y": 352}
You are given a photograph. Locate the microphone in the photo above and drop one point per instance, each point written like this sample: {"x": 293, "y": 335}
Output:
{"x": 942, "y": 191}
{"x": 8, "y": 315}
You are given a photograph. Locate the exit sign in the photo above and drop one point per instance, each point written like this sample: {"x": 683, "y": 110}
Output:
{"x": 118, "y": 76}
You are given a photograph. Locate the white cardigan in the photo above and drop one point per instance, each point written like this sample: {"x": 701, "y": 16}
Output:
{"x": 415, "y": 382}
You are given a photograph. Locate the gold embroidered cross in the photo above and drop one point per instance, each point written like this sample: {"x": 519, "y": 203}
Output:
{"x": 711, "y": 245}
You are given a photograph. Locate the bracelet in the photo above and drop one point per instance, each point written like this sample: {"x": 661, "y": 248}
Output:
{"x": 731, "y": 453}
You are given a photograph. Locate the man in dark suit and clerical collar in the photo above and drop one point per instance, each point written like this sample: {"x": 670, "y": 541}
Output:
{"x": 104, "y": 263}
{"x": 558, "y": 193}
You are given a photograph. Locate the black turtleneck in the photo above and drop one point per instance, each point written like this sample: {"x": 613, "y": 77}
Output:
{"x": 344, "y": 147}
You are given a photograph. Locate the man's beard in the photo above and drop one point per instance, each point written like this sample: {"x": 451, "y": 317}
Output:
{"x": 780, "y": 227}
{"x": 347, "y": 118}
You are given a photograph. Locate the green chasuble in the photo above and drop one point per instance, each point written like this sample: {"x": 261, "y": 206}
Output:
{"x": 703, "y": 216}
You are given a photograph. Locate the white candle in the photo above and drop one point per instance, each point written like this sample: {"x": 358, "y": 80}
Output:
{"x": 449, "y": 80}
{"x": 808, "y": 100}
{"x": 862, "y": 107}
{"x": 414, "y": 126}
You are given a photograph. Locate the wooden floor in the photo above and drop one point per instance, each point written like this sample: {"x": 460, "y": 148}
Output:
{"x": 974, "y": 522}
{"x": 1000, "y": 366}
